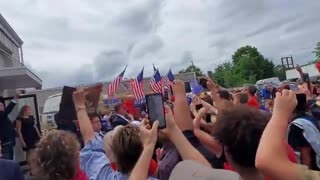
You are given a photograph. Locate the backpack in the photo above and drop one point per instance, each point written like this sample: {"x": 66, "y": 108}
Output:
{"x": 311, "y": 133}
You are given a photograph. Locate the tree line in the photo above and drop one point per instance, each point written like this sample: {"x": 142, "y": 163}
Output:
{"x": 247, "y": 66}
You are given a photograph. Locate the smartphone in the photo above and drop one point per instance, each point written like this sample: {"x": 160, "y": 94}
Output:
{"x": 302, "y": 101}
{"x": 210, "y": 74}
{"x": 203, "y": 82}
{"x": 155, "y": 107}
{"x": 187, "y": 86}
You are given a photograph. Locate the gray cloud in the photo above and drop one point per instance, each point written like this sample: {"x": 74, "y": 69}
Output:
{"x": 109, "y": 63}
{"x": 187, "y": 56}
{"x": 82, "y": 42}
{"x": 148, "y": 46}
{"x": 141, "y": 17}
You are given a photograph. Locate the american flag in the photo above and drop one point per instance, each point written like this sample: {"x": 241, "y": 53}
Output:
{"x": 155, "y": 83}
{"x": 137, "y": 86}
{"x": 115, "y": 83}
{"x": 168, "y": 79}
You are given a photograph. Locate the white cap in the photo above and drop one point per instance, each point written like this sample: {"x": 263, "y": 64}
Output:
{"x": 191, "y": 170}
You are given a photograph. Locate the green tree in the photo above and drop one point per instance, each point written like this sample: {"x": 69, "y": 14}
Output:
{"x": 246, "y": 51}
{"x": 251, "y": 65}
{"x": 219, "y": 72}
{"x": 193, "y": 68}
{"x": 247, "y": 66}
{"x": 317, "y": 50}
{"x": 225, "y": 75}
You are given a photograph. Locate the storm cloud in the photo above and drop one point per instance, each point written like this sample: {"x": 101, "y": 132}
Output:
{"x": 88, "y": 41}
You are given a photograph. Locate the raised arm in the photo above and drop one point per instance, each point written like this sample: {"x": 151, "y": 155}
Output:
{"x": 12, "y": 104}
{"x": 214, "y": 88}
{"x": 148, "y": 138}
{"x": 181, "y": 108}
{"x": 208, "y": 106}
{"x": 86, "y": 129}
{"x": 206, "y": 139}
{"x": 185, "y": 149}
{"x": 273, "y": 163}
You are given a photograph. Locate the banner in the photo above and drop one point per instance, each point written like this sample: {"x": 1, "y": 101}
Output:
{"x": 67, "y": 112}
{"x": 93, "y": 98}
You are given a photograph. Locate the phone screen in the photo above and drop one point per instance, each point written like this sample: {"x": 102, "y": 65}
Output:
{"x": 156, "y": 109}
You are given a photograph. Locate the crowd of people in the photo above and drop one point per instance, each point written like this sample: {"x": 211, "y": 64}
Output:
{"x": 223, "y": 135}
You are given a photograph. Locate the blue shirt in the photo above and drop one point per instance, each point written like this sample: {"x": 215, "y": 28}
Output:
{"x": 266, "y": 93}
{"x": 96, "y": 164}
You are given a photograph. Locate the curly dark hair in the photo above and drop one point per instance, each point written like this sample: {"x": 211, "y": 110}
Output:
{"x": 57, "y": 155}
{"x": 127, "y": 147}
{"x": 252, "y": 90}
{"x": 239, "y": 129}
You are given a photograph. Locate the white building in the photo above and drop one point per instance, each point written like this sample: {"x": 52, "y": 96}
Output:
{"x": 310, "y": 69}
{"x": 13, "y": 73}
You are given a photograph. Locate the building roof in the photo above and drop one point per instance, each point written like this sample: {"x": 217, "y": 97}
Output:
{"x": 9, "y": 30}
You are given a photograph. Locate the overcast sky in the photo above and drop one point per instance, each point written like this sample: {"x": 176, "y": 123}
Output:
{"x": 82, "y": 41}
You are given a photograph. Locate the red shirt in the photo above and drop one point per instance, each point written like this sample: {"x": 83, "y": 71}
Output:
{"x": 253, "y": 102}
{"x": 80, "y": 175}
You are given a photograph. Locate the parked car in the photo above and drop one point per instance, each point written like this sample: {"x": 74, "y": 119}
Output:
{"x": 50, "y": 108}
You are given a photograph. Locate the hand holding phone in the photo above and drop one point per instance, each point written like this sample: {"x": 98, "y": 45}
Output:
{"x": 155, "y": 106}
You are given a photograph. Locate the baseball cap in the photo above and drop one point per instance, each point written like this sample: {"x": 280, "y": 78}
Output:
{"x": 191, "y": 170}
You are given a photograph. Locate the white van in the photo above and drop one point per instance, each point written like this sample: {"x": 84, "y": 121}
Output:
{"x": 275, "y": 82}
{"x": 50, "y": 108}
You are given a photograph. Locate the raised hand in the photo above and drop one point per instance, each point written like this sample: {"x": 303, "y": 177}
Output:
{"x": 196, "y": 100}
{"x": 171, "y": 125}
{"x": 206, "y": 139}
{"x": 284, "y": 104}
{"x": 79, "y": 97}
{"x": 212, "y": 85}
{"x": 178, "y": 88}
{"x": 148, "y": 134}
{"x": 298, "y": 68}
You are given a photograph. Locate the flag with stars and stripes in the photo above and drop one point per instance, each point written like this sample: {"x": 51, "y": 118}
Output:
{"x": 137, "y": 86}
{"x": 113, "y": 86}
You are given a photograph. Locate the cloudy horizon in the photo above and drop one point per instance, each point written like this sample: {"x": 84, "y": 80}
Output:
{"x": 81, "y": 41}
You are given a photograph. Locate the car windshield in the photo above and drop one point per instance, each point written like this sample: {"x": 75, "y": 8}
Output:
{"x": 52, "y": 105}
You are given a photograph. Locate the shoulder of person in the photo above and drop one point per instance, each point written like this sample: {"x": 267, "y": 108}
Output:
{"x": 5, "y": 162}
{"x": 9, "y": 166}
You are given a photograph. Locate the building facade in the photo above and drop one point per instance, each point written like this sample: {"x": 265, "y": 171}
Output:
{"x": 13, "y": 73}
